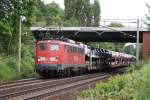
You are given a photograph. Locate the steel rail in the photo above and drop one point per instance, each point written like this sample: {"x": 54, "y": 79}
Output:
{"x": 50, "y": 92}
{"x": 13, "y": 83}
{"x": 30, "y": 88}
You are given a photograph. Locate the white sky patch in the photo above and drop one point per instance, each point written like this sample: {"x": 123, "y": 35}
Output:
{"x": 60, "y": 2}
{"x": 118, "y": 9}
{"x": 123, "y": 9}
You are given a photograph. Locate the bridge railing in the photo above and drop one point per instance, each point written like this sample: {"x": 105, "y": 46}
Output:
{"x": 125, "y": 22}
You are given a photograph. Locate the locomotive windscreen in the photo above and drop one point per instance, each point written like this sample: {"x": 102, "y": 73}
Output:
{"x": 54, "y": 47}
{"x": 42, "y": 46}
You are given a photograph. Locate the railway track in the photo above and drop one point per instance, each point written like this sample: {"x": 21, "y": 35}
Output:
{"x": 18, "y": 82}
{"x": 10, "y": 90}
{"x": 47, "y": 88}
{"x": 40, "y": 89}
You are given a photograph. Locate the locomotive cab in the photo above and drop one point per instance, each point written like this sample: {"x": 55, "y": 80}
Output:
{"x": 48, "y": 56}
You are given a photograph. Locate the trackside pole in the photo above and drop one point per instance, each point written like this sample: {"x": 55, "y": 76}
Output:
{"x": 90, "y": 59}
{"x": 137, "y": 42}
{"x": 19, "y": 51}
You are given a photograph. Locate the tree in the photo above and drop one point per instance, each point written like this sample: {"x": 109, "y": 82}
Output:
{"x": 70, "y": 9}
{"x": 49, "y": 14}
{"x": 41, "y": 10}
{"x": 115, "y": 24}
{"x": 41, "y": 13}
{"x": 83, "y": 12}
{"x": 72, "y": 22}
{"x": 129, "y": 49}
{"x": 96, "y": 11}
{"x": 11, "y": 12}
{"x": 55, "y": 14}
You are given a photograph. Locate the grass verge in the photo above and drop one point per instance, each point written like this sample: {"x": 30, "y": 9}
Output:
{"x": 134, "y": 85}
{"x": 9, "y": 72}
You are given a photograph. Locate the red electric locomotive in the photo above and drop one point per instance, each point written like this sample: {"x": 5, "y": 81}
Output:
{"x": 66, "y": 57}
{"x": 57, "y": 56}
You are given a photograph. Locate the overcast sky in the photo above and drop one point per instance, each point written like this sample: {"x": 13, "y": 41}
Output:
{"x": 118, "y": 9}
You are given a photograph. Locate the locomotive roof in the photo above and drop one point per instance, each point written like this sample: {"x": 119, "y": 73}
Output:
{"x": 64, "y": 42}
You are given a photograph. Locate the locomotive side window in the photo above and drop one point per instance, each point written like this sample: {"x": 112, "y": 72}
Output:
{"x": 72, "y": 49}
{"x": 42, "y": 46}
{"x": 66, "y": 48}
{"x": 54, "y": 47}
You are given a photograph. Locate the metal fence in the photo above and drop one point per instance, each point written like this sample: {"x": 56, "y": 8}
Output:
{"x": 125, "y": 22}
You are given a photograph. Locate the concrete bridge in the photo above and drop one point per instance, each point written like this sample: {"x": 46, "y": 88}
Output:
{"x": 99, "y": 34}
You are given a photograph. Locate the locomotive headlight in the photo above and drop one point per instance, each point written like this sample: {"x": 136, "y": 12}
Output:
{"x": 53, "y": 58}
{"x": 41, "y": 59}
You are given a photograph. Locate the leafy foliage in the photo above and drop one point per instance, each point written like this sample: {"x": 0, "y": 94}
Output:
{"x": 8, "y": 69}
{"x": 11, "y": 12}
{"x": 115, "y": 24}
{"x": 84, "y": 13}
{"x": 49, "y": 14}
{"x": 131, "y": 86}
{"x": 96, "y": 11}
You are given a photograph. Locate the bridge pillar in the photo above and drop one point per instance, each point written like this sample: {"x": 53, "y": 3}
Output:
{"x": 146, "y": 45}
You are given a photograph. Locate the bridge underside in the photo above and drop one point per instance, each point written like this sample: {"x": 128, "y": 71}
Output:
{"x": 89, "y": 34}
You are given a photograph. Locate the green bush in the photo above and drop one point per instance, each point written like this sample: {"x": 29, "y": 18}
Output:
{"x": 130, "y": 86}
{"x": 8, "y": 65}
{"x": 27, "y": 68}
{"x": 7, "y": 73}
{"x": 136, "y": 66}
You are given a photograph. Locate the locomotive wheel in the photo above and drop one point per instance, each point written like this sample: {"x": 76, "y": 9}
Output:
{"x": 85, "y": 70}
{"x": 60, "y": 74}
{"x": 80, "y": 71}
{"x": 52, "y": 73}
{"x": 68, "y": 72}
{"x": 43, "y": 74}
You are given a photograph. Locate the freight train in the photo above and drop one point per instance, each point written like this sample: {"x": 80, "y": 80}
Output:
{"x": 64, "y": 57}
